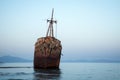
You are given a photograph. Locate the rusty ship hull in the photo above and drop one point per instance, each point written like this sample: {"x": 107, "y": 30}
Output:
{"x": 46, "y": 62}
{"x": 47, "y": 53}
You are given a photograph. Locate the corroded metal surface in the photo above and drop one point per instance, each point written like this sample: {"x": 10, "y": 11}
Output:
{"x": 47, "y": 53}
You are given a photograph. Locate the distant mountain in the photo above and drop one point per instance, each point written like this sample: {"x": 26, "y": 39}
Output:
{"x": 13, "y": 59}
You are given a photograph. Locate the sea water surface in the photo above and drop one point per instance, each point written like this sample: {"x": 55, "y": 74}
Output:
{"x": 68, "y": 71}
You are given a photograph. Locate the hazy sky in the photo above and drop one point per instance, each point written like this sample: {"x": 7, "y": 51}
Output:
{"x": 86, "y": 28}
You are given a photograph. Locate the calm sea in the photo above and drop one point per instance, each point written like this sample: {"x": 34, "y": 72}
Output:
{"x": 68, "y": 71}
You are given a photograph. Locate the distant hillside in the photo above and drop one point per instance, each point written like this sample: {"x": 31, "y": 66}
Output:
{"x": 10, "y": 59}
{"x": 13, "y": 59}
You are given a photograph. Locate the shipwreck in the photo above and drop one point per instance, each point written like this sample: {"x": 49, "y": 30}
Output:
{"x": 47, "y": 52}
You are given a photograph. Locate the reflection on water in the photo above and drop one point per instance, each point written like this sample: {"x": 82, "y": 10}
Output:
{"x": 47, "y": 74}
{"x": 76, "y": 71}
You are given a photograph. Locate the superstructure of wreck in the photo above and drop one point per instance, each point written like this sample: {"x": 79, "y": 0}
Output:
{"x": 47, "y": 51}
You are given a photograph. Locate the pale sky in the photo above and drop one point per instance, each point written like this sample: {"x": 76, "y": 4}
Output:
{"x": 86, "y": 28}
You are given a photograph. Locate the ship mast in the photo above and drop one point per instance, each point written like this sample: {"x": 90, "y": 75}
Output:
{"x": 50, "y": 31}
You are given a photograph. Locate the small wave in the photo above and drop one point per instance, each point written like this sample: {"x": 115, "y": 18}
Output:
{"x": 15, "y": 79}
{"x": 22, "y": 73}
{"x": 14, "y": 74}
{"x": 47, "y": 74}
{"x": 4, "y": 74}
{"x": 16, "y": 67}
{"x": 89, "y": 77}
